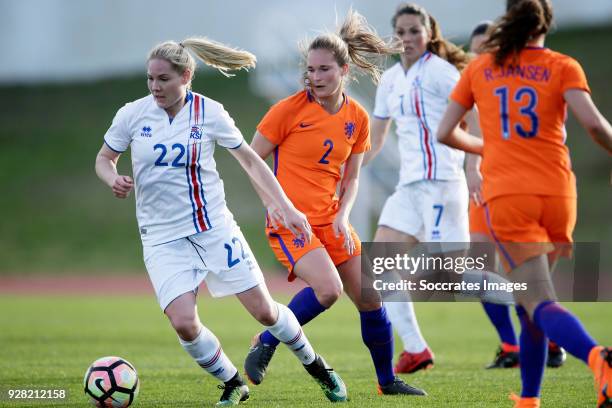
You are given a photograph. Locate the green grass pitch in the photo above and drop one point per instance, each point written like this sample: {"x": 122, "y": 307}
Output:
{"x": 48, "y": 343}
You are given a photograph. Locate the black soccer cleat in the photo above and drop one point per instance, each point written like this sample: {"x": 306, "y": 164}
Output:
{"x": 399, "y": 387}
{"x": 257, "y": 360}
{"x": 504, "y": 359}
{"x": 235, "y": 391}
{"x": 556, "y": 356}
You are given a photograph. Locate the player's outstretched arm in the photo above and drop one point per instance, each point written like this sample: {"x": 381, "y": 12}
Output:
{"x": 106, "y": 169}
{"x": 452, "y": 135}
{"x": 378, "y": 133}
{"x": 280, "y": 209}
{"x": 590, "y": 118}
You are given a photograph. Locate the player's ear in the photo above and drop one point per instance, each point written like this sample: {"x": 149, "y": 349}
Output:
{"x": 345, "y": 69}
{"x": 186, "y": 77}
{"x": 306, "y": 80}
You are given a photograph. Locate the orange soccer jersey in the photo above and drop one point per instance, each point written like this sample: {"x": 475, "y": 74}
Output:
{"x": 522, "y": 116}
{"x": 312, "y": 146}
{"x": 529, "y": 186}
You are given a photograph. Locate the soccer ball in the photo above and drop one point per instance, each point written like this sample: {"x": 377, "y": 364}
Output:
{"x": 111, "y": 382}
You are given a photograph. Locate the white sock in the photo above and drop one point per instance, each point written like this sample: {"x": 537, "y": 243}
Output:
{"x": 207, "y": 352}
{"x": 288, "y": 330}
{"x": 404, "y": 321}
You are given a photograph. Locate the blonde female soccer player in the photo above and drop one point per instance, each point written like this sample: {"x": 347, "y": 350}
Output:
{"x": 188, "y": 234}
{"x": 522, "y": 90}
{"x": 312, "y": 136}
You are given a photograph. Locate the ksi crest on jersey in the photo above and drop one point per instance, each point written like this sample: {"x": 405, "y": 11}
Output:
{"x": 196, "y": 131}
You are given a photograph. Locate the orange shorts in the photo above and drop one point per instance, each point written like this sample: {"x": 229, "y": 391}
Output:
{"x": 525, "y": 226}
{"x": 289, "y": 249}
{"x": 478, "y": 219}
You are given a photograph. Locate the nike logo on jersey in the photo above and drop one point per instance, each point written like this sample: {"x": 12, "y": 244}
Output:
{"x": 305, "y": 125}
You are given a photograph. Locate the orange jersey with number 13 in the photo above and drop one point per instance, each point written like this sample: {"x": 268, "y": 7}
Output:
{"x": 522, "y": 116}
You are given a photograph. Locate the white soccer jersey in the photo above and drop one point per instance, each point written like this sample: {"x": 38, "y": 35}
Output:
{"x": 178, "y": 190}
{"x": 416, "y": 101}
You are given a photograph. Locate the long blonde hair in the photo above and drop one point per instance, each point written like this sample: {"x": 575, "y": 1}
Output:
{"x": 356, "y": 42}
{"x": 212, "y": 53}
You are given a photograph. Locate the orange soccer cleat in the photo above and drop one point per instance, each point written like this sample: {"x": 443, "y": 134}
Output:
{"x": 523, "y": 402}
{"x": 600, "y": 361}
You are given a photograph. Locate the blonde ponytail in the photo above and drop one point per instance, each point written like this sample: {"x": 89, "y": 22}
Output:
{"x": 220, "y": 56}
{"x": 210, "y": 52}
{"x": 357, "y": 42}
{"x": 365, "y": 48}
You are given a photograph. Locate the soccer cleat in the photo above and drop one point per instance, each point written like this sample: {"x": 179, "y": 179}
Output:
{"x": 556, "y": 355}
{"x": 330, "y": 382}
{"x": 600, "y": 361}
{"x": 411, "y": 362}
{"x": 257, "y": 360}
{"x": 399, "y": 387}
{"x": 235, "y": 391}
{"x": 523, "y": 402}
{"x": 504, "y": 359}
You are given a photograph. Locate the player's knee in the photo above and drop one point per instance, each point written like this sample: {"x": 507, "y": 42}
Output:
{"x": 531, "y": 302}
{"x": 187, "y": 331}
{"x": 186, "y": 326}
{"x": 265, "y": 315}
{"x": 530, "y": 306}
{"x": 367, "y": 305}
{"x": 329, "y": 293}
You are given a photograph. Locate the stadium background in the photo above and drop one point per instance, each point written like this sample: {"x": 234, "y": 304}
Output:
{"x": 66, "y": 69}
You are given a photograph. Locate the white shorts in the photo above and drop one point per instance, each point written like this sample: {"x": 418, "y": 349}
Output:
{"x": 430, "y": 211}
{"x": 220, "y": 256}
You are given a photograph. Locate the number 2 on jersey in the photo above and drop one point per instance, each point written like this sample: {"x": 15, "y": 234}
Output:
{"x": 526, "y": 110}
{"x": 330, "y": 143}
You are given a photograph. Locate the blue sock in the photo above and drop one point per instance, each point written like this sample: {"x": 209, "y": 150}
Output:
{"x": 377, "y": 335}
{"x": 500, "y": 317}
{"x": 564, "y": 328}
{"x": 532, "y": 355}
{"x": 305, "y": 306}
